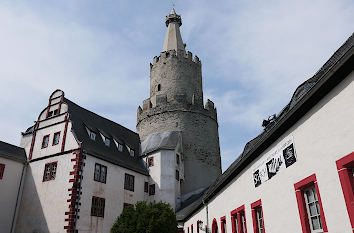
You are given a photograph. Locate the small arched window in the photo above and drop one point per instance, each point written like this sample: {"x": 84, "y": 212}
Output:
{"x": 214, "y": 226}
{"x": 159, "y": 87}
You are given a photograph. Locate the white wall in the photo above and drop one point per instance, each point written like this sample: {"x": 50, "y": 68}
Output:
{"x": 113, "y": 191}
{"x": 44, "y": 204}
{"x": 163, "y": 175}
{"x": 324, "y": 135}
{"x": 9, "y": 188}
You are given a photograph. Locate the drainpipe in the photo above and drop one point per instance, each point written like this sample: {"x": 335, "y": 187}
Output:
{"x": 18, "y": 199}
{"x": 207, "y": 217}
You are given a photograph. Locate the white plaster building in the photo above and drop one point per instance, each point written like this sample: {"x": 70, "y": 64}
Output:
{"x": 82, "y": 169}
{"x": 297, "y": 175}
{"x": 13, "y": 165}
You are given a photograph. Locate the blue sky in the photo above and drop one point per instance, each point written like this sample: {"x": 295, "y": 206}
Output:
{"x": 254, "y": 54}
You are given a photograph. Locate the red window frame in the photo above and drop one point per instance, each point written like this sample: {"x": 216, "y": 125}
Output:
{"x": 192, "y": 231}
{"x": 238, "y": 212}
{"x": 254, "y": 206}
{"x": 43, "y": 141}
{"x": 223, "y": 224}
{"x": 214, "y": 226}
{"x": 53, "y": 143}
{"x": 2, "y": 166}
{"x": 50, "y": 165}
{"x": 198, "y": 226}
{"x": 96, "y": 208}
{"x": 343, "y": 166}
{"x": 299, "y": 188}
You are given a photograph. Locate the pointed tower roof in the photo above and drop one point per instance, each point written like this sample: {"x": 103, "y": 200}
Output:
{"x": 173, "y": 39}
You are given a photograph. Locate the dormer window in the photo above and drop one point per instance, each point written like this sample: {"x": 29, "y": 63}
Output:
{"x": 92, "y": 136}
{"x": 56, "y": 112}
{"x": 107, "y": 142}
{"x": 132, "y": 152}
{"x": 120, "y": 147}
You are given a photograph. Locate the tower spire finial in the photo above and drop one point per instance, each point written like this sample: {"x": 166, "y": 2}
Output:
{"x": 173, "y": 39}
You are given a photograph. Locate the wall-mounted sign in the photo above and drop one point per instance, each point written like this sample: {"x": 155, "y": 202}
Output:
{"x": 281, "y": 157}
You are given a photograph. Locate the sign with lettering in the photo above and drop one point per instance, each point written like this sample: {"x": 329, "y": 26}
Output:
{"x": 280, "y": 158}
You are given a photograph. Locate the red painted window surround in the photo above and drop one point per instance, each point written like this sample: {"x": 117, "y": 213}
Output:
{"x": 299, "y": 187}
{"x": 237, "y": 212}
{"x": 2, "y": 169}
{"x": 254, "y": 206}
{"x": 214, "y": 226}
{"x": 192, "y": 229}
{"x": 223, "y": 224}
{"x": 347, "y": 181}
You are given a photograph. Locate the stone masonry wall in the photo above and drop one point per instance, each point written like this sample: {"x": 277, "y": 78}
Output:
{"x": 176, "y": 103}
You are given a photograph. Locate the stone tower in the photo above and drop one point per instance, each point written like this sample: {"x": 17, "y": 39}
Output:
{"x": 176, "y": 104}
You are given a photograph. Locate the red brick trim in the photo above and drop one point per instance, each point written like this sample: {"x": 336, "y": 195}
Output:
{"x": 346, "y": 181}
{"x": 214, "y": 226}
{"x": 254, "y": 206}
{"x": 33, "y": 139}
{"x": 74, "y": 193}
{"x": 299, "y": 187}
{"x": 2, "y": 170}
{"x": 65, "y": 131}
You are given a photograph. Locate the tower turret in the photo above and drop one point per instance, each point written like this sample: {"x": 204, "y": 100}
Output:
{"x": 176, "y": 104}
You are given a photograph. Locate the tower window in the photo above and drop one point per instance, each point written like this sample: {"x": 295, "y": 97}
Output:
{"x": 177, "y": 175}
{"x": 159, "y": 87}
{"x": 150, "y": 161}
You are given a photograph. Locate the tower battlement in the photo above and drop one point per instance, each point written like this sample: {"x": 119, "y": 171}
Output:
{"x": 180, "y": 104}
{"x": 180, "y": 54}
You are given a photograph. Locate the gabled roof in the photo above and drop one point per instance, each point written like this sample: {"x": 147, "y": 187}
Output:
{"x": 304, "y": 98}
{"x": 82, "y": 118}
{"x": 12, "y": 152}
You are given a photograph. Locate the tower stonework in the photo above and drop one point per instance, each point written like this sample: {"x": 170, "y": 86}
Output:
{"x": 176, "y": 104}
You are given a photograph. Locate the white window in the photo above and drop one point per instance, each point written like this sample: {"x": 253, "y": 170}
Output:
{"x": 91, "y": 134}
{"x": 313, "y": 209}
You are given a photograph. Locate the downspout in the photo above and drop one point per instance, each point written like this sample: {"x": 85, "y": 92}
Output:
{"x": 207, "y": 217}
{"x": 18, "y": 198}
